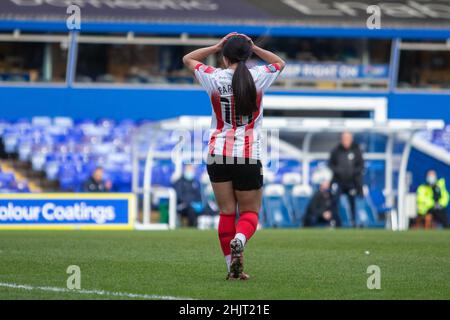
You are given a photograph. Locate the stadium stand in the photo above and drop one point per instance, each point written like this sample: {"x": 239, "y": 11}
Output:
{"x": 67, "y": 151}
{"x": 46, "y": 69}
{"x": 440, "y": 138}
{"x": 64, "y": 151}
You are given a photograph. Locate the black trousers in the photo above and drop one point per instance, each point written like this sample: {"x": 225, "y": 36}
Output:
{"x": 191, "y": 216}
{"x": 314, "y": 221}
{"x": 351, "y": 193}
{"x": 441, "y": 216}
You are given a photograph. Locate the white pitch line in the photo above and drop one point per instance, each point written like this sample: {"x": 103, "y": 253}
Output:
{"x": 93, "y": 292}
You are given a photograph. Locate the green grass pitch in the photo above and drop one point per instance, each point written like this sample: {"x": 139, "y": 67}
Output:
{"x": 284, "y": 264}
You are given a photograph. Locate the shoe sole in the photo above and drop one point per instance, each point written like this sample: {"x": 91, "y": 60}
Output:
{"x": 231, "y": 278}
{"x": 240, "y": 278}
{"x": 236, "y": 267}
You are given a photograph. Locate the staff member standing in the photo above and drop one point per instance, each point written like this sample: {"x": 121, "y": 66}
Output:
{"x": 347, "y": 164}
{"x": 432, "y": 200}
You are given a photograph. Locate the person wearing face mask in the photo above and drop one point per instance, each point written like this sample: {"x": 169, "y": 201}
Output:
{"x": 189, "y": 199}
{"x": 432, "y": 201}
{"x": 320, "y": 209}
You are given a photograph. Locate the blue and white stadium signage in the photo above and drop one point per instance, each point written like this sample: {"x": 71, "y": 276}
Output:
{"x": 333, "y": 71}
{"x": 67, "y": 211}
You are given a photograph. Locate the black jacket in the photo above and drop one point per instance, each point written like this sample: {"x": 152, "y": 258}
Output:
{"x": 187, "y": 192}
{"x": 347, "y": 166}
{"x": 319, "y": 203}
{"x": 93, "y": 186}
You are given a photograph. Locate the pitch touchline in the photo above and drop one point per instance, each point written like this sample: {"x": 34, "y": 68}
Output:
{"x": 95, "y": 292}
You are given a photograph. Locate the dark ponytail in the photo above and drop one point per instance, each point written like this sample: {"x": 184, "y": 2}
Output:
{"x": 244, "y": 90}
{"x": 237, "y": 49}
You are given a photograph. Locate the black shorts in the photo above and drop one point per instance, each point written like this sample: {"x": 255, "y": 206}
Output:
{"x": 245, "y": 174}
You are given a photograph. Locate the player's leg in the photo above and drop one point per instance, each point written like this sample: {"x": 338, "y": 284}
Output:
{"x": 351, "y": 196}
{"x": 336, "y": 192}
{"x": 220, "y": 175}
{"x": 249, "y": 204}
{"x": 247, "y": 184}
{"x": 226, "y": 202}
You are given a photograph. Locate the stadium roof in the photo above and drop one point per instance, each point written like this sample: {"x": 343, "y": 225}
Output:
{"x": 418, "y": 13}
{"x": 403, "y": 14}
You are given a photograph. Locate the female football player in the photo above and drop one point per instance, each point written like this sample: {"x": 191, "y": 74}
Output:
{"x": 234, "y": 165}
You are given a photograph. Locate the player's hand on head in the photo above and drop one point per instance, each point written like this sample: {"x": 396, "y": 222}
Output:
{"x": 224, "y": 39}
{"x": 247, "y": 37}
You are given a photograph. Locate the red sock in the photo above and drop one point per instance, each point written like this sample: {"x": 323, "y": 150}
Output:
{"x": 247, "y": 224}
{"x": 227, "y": 231}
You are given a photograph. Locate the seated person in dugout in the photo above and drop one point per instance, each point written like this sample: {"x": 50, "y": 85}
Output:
{"x": 432, "y": 201}
{"x": 96, "y": 182}
{"x": 189, "y": 198}
{"x": 320, "y": 208}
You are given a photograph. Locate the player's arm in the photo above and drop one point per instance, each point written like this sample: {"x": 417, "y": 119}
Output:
{"x": 192, "y": 59}
{"x": 266, "y": 55}
{"x": 269, "y": 57}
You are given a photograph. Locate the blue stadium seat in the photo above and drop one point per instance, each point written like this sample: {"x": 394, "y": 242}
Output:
{"x": 8, "y": 183}
{"x": 277, "y": 212}
{"x": 124, "y": 182}
{"x": 63, "y": 122}
{"x": 367, "y": 214}
{"x": 290, "y": 179}
{"x": 162, "y": 172}
{"x": 22, "y": 187}
{"x": 106, "y": 122}
{"x": 68, "y": 177}
{"x": 24, "y": 148}
{"x": 7, "y": 177}
{"x": 301, "y": 195}
{"x": 11, "y": 139}
{"x": 41, "y": 121}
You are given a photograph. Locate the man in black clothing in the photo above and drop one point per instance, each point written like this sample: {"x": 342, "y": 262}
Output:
{"x": 347, "y": 164}
{"x": 320, "y": 208}
{"x": 96, "y": 183}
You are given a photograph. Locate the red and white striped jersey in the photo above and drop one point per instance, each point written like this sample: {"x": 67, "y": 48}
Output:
{"x": 233, "y": 135}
